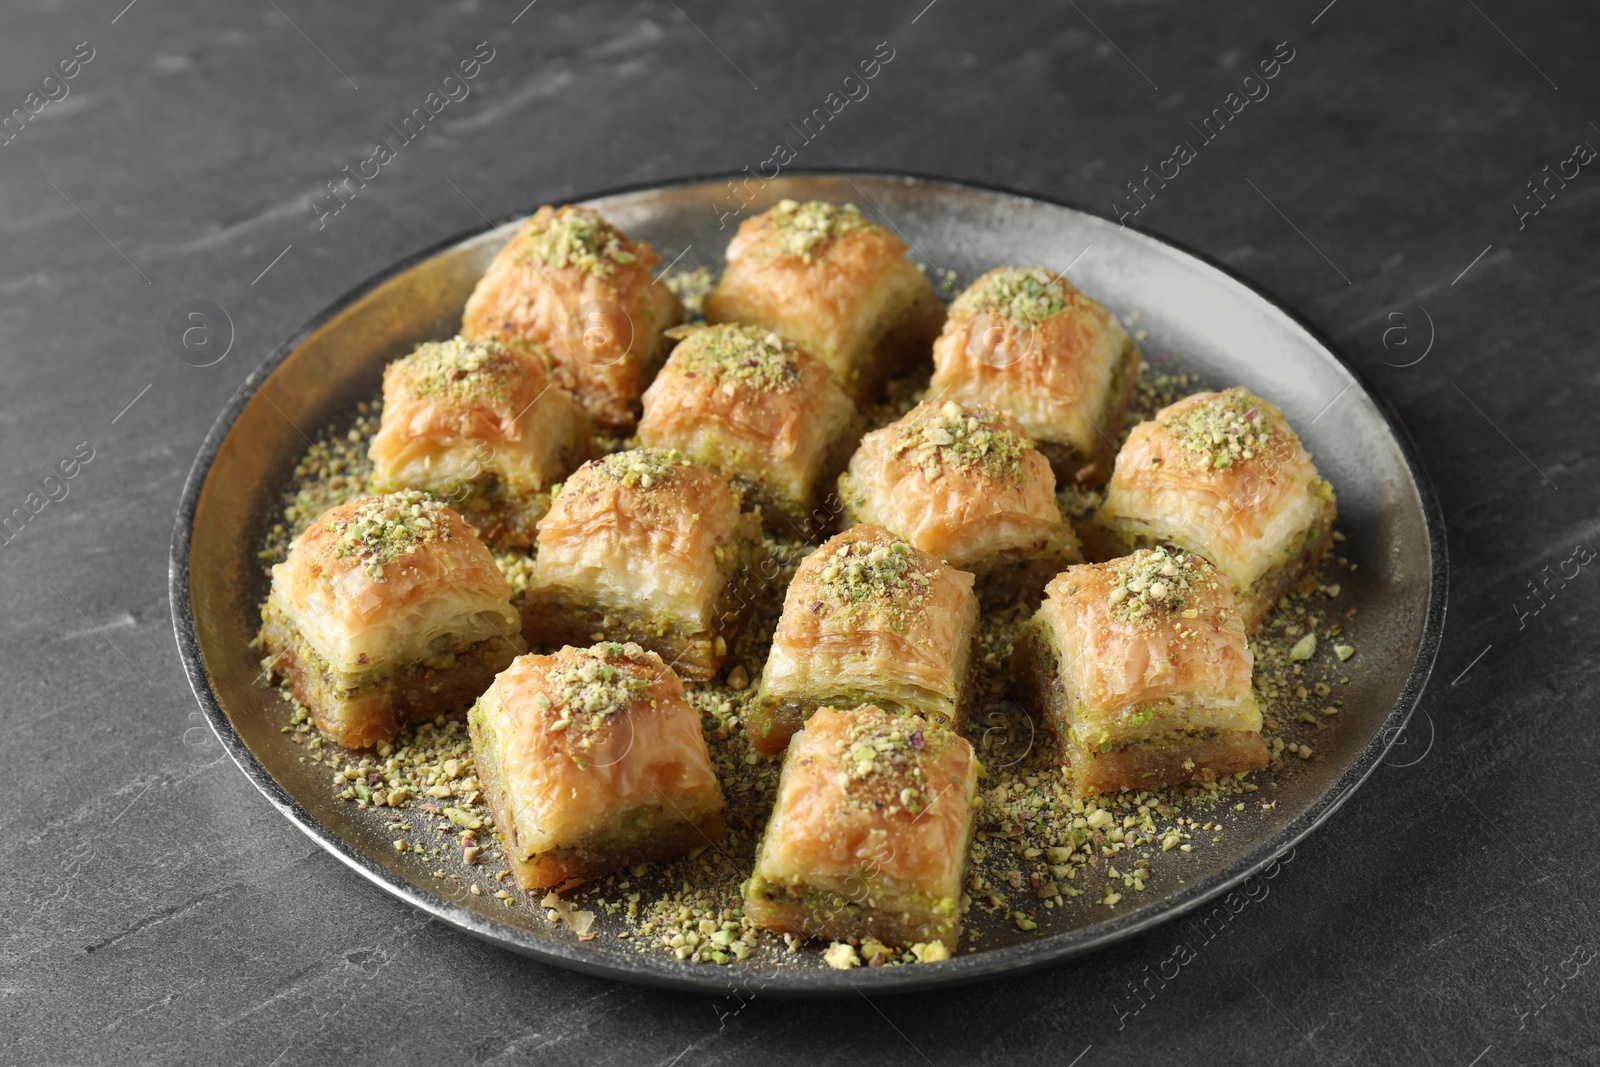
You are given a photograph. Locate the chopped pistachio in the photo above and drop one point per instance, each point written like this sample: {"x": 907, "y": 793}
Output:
{"x": 841, "y": 956}
{"x": 573, "y": 236}
{"x": 738, "y": 355}
{"x": 805, "y": 231}
{"x": 1024, "y": 296}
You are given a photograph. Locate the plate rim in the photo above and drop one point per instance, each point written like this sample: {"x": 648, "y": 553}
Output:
{"x": 676, "y": 975}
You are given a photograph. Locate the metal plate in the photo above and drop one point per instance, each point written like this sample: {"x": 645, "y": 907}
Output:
{"x": 1207, "y": 319}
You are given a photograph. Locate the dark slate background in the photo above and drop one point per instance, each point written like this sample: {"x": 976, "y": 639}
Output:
{"x": 154, "y": 908}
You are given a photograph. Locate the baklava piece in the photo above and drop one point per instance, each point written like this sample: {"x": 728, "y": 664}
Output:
{"x": 483, "y": 425}
{"x": 869, "y": 618}
{"x": 645, "y": 546}
{"x": 388, "y": 610}
{"x": 869, "y": 835}
{"x": 1221, "y": 474}
{"x": 1030, "y": 343}
{"x": 1141, "y": 669}
{"x": 592, "y": 760}
{"x": 965, "y": 484}
{"x": 742, "y": 401}
{"x": 572, "y": 282}
{"x": 835, "y": 284}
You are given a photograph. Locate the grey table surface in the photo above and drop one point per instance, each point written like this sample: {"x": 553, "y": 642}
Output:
{"x": 154, "y": 908}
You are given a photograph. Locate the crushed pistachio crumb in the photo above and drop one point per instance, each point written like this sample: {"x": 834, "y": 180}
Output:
{"x": 866, "y": 579}
{"x": 841, "y": 956}
{"x": 593, "y": 687}
{"x": 691, "y": 288}
{"x": 1025, "y": 296}
{"x": 966, "y": 438}
{"x": 578, "y": 237}
{"x": 804, "y": 231}
{"x": 881, "y": 762}
{"x": 736, "y": 355}
{"x": 644, "y": 468}
{"x": 1223, "y": 428}
{"x": 1157, "y": 583}
{"x": 464, "y": 371}
{"x": 385, "y": 528}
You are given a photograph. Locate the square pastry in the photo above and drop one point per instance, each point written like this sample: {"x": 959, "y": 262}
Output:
{"x": 1141, "y": 669}
{"x": 835, "y": 284}
{"x": 869, "y": 618}
{"x": 483, "y": 425}
{"x": 742, "y": 401}
{"x": 965, "y": 484}
{"x": 592, "y": 760}
{"x": 869, "y": 834}
{"x": 574, "y": 283}
{"x": 647, "y": 547}
{"x": 1221, "y": 474}
{"x": 387, "y": 610}
{"x": 1028, "y": 342}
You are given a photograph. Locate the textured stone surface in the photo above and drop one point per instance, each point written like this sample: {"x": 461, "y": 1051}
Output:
{"x": 155, "y": 909}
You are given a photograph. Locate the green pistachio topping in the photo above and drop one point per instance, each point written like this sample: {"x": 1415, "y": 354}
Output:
{"x": 880, "y": 763}
{"x": 967, "y": 438}
{"x": 738, "y": 355}
{"x": 386, "y": 528}
{"x": 594, "y": 687}
{"x": 464, "y": 371}
{"x": 804, "y": 230}
{"x": 1223, "y": 429}
{"x": 1025, "y": 296}
{"x": 1157, "y": 583}
{"x": 870, "y": 581}
{"x": 645, "y": 468}
{"x": 578, "y": 237}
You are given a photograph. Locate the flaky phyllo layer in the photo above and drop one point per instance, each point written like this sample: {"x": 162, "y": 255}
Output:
{"x": 1223, "y": 475}
{"x": 833, "y": 282}
{"x": 457, "y": 411}
{"x": 744, "y": 402}
{"x": 645, "y": 530}
{"x": 870, "y": 830}
{"x": 1145, "y": 656}
{"x": 383, "y": 582}
{"x": 962, "y": 482}
{"x": 1028, "y": 341}
{"x": 574, "y": 284}
{"x": 592, "y": 752}
{"x": 869, "y": 618}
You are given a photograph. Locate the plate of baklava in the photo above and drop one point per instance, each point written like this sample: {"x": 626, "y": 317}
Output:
{"x": 839, "y": 582}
